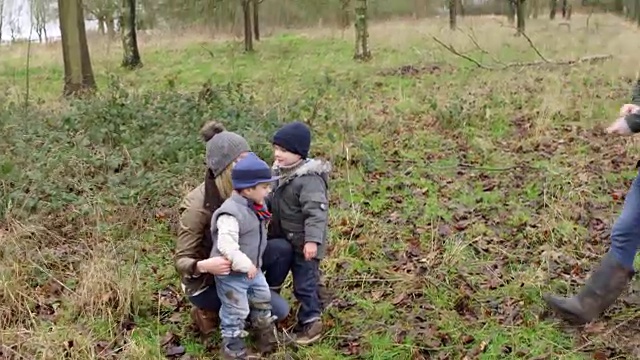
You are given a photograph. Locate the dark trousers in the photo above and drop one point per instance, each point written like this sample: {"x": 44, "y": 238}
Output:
{"x": 306, "y": 276}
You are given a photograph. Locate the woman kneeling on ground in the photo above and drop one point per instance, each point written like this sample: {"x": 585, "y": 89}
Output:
{"x": 192, "y": 261}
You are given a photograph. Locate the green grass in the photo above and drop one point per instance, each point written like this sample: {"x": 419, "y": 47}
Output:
{"x": 459, "y": 195}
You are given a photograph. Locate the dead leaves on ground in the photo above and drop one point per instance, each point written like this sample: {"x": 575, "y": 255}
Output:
{"x": 490, "y": 232}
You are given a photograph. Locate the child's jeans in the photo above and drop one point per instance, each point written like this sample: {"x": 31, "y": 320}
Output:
{"x": 237, "y": 292}
{"x": 625, "y": 234}
{"x": 306, "y": 276}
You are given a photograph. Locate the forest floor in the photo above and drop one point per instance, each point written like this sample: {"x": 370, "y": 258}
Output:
{"x": 462, "y": 189}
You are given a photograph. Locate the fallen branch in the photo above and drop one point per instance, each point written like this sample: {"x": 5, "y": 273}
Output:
{"x": 482, "y": 50}
{"x": 586, "y": 59}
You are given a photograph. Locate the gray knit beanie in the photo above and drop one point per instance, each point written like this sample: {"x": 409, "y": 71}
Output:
{"x": 223, "y": 147}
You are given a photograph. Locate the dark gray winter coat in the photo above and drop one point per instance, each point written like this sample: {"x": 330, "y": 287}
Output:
{"x": 300, "y": 206}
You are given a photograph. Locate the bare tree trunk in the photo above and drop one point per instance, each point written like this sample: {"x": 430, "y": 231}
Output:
{"x": 131, "y": 58}
{"x": 248, "y": 31}
{"x": 111, "y": 27}
{"x": 344, "y": 16}
{"x": 521, "y": 14}
{"x": 78, "y": 74}
{"x": 553, "y": 6}
{"x": 1, "y": 17}
{"x": 362, "y": 32}
{"x": 452, "y": 14}
{"x": 256, "y": 19}
{"x": 511, "y": 11}
{"x": 534, "y": 5}
{"x": 101, "y": 26}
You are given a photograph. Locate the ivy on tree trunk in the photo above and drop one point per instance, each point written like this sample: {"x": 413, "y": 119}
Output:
{"x": 131, "y": 58}
{"x": 362, "y": 33}
{"x": 78, "y": 74}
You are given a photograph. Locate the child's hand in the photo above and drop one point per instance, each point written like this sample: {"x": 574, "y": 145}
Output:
{"x": 310, "y": 250}
{"x": 253, "y": 271}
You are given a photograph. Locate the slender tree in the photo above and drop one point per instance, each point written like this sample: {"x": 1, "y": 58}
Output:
{"x": 1, "y": 16}
{"x": 362, "y": 32}
{"x": 256, "y": 19}
{"x": 248, "y": 30}
{"x": 78, "y": 74}
{"x": 553, "y": 6}
{"x": 131, "y": 58}
{"x": 511, "y": 11}
{"x": 453, "y": 14}
{"x": 521, "y": 14}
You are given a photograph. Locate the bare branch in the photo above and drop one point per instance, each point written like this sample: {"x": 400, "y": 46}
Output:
{"x": 586, "y": 59}
{"x": 534, "y": 47}
{"x": 472, "y": 37}
{"x": 456, "y": 52}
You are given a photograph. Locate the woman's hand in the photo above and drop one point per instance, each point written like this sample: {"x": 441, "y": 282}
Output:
{"x": 627, "y": 109}
{"x": 620, "y": 127}
{"x": 216, "y": 265}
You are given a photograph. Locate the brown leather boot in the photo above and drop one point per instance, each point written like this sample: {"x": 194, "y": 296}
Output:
{"x": 601, "y": 290}
{"x": 206, "y": 321}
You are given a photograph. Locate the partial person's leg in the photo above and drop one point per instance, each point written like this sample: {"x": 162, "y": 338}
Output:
{"x": 276, "y": 262}
{"x": 614, "y": 272}
{"x": 305, "y": 288}
{"x": 232, "y": 291}
{"x": 262, "y": 321}
{"x": 204, "y": 312}
{"x": 325, "y": 296}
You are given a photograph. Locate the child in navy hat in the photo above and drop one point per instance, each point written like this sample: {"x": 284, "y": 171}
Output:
{"x": 300, "y": 207}
{"x": 239, "y": 233}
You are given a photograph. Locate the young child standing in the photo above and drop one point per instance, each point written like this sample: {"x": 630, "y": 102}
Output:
{"x": 300, "y": 207}
{"x": 239, "y": 233}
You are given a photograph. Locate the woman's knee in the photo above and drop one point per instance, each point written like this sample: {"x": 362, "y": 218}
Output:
{"x": 279, "y": 306}
{"x": 626, "y": 230}
{"x": 278, "y": 251}
{"x": 207, "y": 300}
{"x": 280, "y": 246}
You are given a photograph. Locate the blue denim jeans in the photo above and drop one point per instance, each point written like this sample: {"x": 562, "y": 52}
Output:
{"x": 238, "y": 294}
{"x": 276, "y": 263}
{"x": 625, "y": 234}
{"x": 306, "y": 276}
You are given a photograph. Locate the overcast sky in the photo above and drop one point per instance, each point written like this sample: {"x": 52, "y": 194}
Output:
{"x": 16, "y": 14}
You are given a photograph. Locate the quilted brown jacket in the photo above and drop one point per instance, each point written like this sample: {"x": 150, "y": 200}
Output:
{"x": 194, "y": 236}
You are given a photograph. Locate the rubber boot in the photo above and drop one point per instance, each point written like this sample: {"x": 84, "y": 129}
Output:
{"x": 206, "y": 321}
{"x": 266, "y": 336}
{"x": 601, "y": 290}
{"x": 235, "y": 349}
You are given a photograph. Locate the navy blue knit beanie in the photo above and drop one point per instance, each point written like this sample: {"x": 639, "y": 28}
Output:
{"x": 294, "y": 137}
